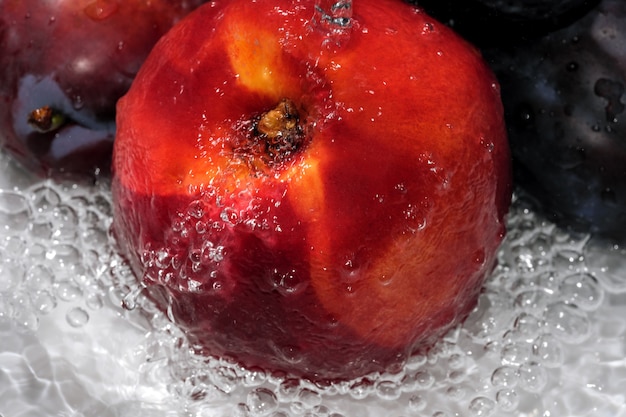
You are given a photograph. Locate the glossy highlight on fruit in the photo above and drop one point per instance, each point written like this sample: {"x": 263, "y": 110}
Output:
{"x": 63, "y": 66}
{"x": 319, "y": 192}
{"x": 565, "y": 103}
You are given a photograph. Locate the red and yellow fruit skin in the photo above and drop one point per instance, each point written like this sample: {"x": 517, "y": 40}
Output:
{"x": 369, "y": 242}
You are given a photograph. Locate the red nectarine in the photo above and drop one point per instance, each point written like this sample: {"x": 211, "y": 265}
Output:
{"x": 311, "y": 191}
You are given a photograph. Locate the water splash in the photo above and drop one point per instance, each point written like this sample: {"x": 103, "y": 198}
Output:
{"x": 547, "y": 334}
{"x": 334, "y": 18}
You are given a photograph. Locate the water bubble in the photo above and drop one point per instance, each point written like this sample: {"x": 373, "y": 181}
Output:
{"x": 361, "y": 389}
{"x": 63, "y": 256}
{"x": 68, "y": 291}
{"x": 64, "y": 222}
{"x": 129, "y": 301}
{"x": 455, "y": 393}
{"x": 417, "y": 403}
{"x": 288, "y": 389}
{"x": 254, "y": 377}
{"x": 26, "y": 317}
{"x": 77, "y": 317}
{"x": 482, "y": 407}
{"x": 533, "y": 377}
{"x": 515, "y": 353}
{"x": 44, "y": 302}
{"x": 15, "y": 213}
{"x": 309, "y": 398}
{"x": 505, "y": 376}
{"x": 279, "y": 414}
{"x": 388, "y": 390}
{"x": 424, "y": 380}
{"x": 606, "y": 263}
{"x": 261, "y": 402}
{"x": 567, "y": 323}
{"x": 11, "y": 275}
{"x": 225, "y": 378}
{"x": 507, "y": 399}
{"x": 548, "y": 351}
{"x": 569, "y": 260}
{"x": 581, "y": 290}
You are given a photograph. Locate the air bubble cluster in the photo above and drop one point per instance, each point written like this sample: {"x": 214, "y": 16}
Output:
{"x": 54, "y": 251}
{"x": 546, "y": 338}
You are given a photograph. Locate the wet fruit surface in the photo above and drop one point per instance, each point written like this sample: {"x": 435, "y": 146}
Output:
{"x": 63, "y": 66}
{"x": 565, "y": 108}
{"x": 309, "y": 204}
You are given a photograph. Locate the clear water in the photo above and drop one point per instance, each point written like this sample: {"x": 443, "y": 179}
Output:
{"x": 548, "y": 337}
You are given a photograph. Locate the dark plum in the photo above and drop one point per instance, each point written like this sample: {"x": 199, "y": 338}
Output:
{"x": 565, "y": 109}
{"x": 492, "y": 22}
{"x": 63, "y": 66}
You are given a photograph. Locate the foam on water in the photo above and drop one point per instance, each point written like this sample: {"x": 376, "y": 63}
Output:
{"x": 548, "y": 336}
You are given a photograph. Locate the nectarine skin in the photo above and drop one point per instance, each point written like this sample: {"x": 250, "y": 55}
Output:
{"x": 334, "y": 251}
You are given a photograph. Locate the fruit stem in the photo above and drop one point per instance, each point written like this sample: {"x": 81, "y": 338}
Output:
{"x": 276, "y": 135}
{"x": 46, "y": 119}
{"x": 280, "y": 129}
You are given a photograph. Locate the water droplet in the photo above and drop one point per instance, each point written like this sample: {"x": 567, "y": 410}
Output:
{"x": 417, "y": 403}
{"x": 515, "y": 353}
{"x": 44, "y": 199}
{"x": 101, "y": 9}
{"x": 482, "y": 407}
{"x": 309, "y": 398}
{"x": 507, "y": 399}
{"x": 547, "y": 349}
{"x": 612, "y": 91}
{"x": 533, "y": 377}
{"x": 428, "y": 27}
{"x": 334, "y": 17}
{"x": 15, "y": 212}
{"x": 254, "y": 377}
{"x": 64, "y": 222}
{"x": 94, "y": 301}
{"x": 504, "y": 376}
{"x": 288, "y": 389}
{"x": 388, "y": 390}
{"x": 77, "y": 317}
{"x": 567, "y": 322}
{"x": 455, "y": 393}
{"x": 361, "y": 389}
{"x": 261, "y": 402}
{"x": 424, "y": 380}
{"x": 129, "y": 302}
{"x": 68, "y": 291}
{"x": 44, "y": 302}
{"x": 581, "y": 290}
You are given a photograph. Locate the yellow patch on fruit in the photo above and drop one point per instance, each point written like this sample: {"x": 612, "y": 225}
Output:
{"x": 306, "y": 191}
{"x": 256, "y": 58}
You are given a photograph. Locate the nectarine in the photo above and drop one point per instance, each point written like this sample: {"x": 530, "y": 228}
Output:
{"x": 316, "y": 191}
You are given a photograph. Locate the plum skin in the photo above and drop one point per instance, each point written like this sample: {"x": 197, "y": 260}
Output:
{"x": 502, "y": 22}
{"x": 564, "y": 104}
{"x": 78, "y": 58}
